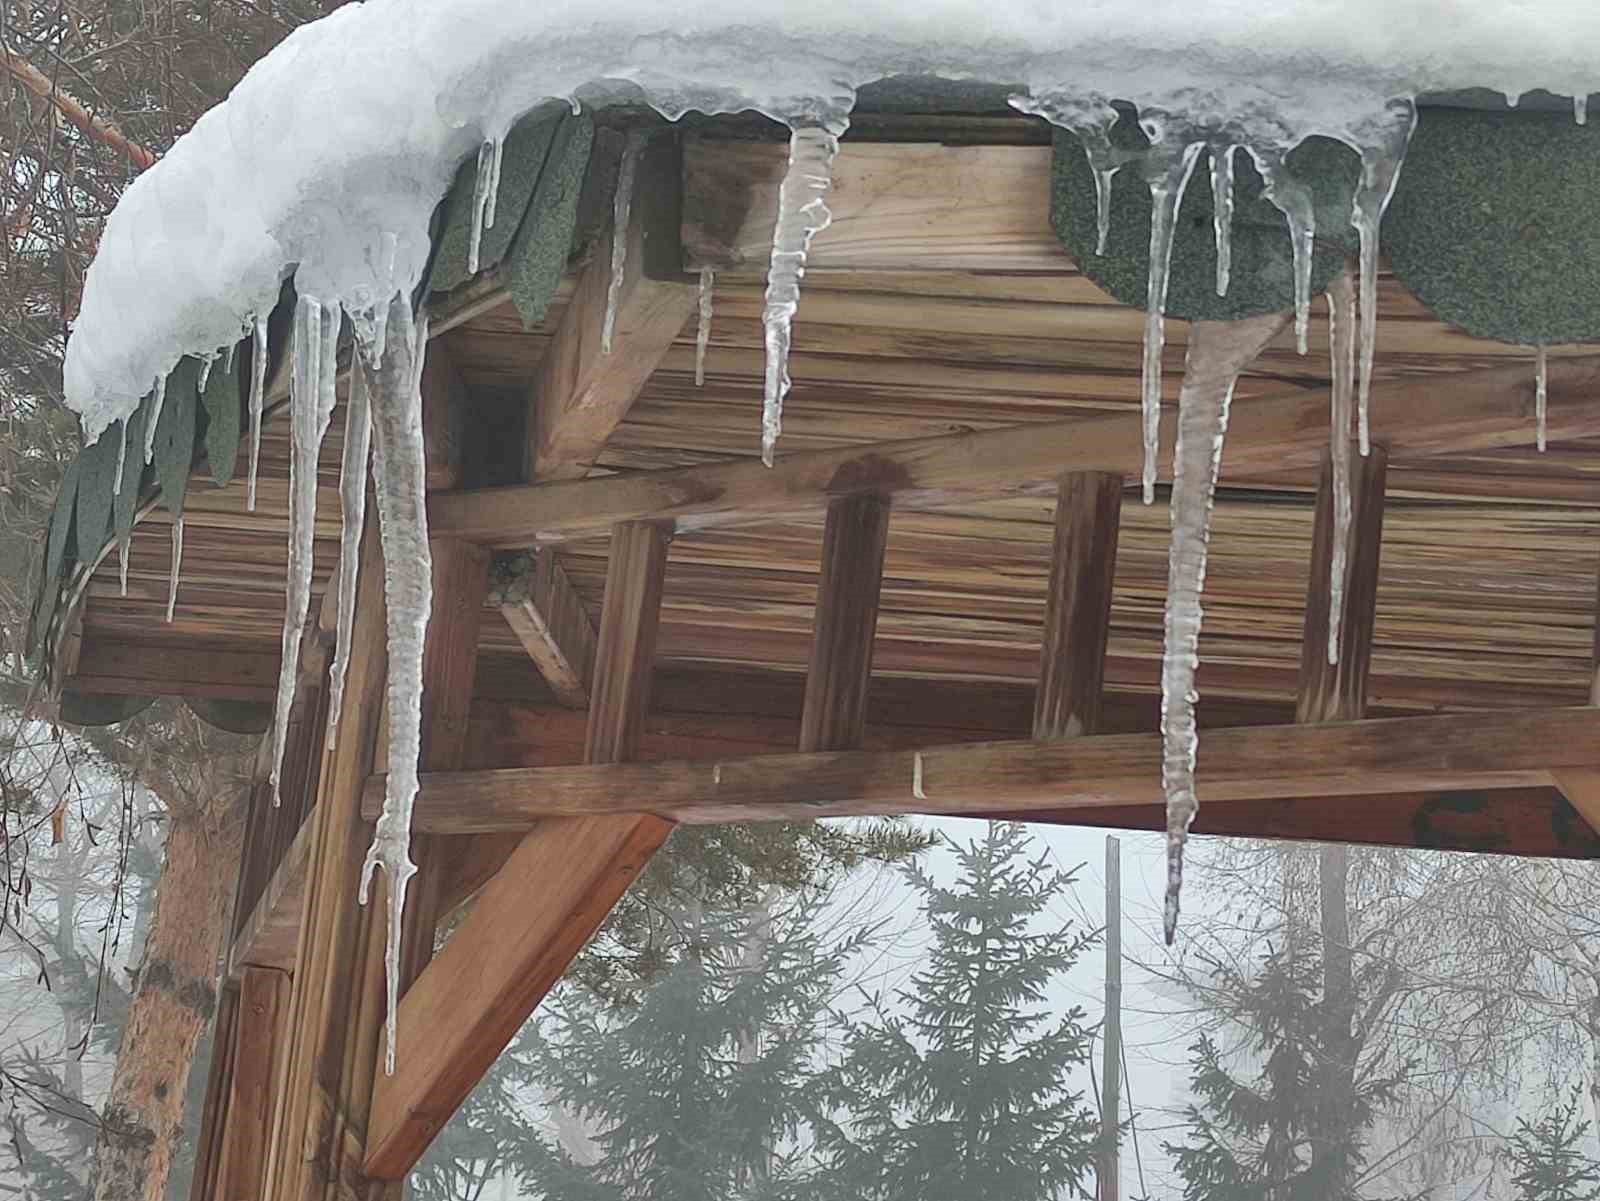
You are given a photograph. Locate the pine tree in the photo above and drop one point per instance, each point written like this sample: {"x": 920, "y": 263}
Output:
{"x": 1265, "y": 1138}
{"x": 1549, "y": 1164}
{"x": 702, "y": 1091}
{"x": 962, "y": 1089}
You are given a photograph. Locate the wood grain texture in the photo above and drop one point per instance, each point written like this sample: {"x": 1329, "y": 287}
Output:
{"x": 1518, "y": 748}
{"x": 1077, "y": 615}
{"x": 833, "y": 717}
{"x": 540, "y": 908}
{"x": 263, "y": 1003}
{"x": 548, "y": 617}
{"x": 1338, "y": 691}
{"x": 1479, "y": 410}
{"x": 582, "y": 388}
{"x": 444, "y": 413}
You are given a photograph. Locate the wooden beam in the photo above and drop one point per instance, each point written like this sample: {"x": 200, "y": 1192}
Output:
{"x": 1077, "y": 617}
{"x": 583, "y": 387}
{"x": 1466, "y": 411}
{"x": 922, "y": 207}
{"x": 542, "y": 906}
{"x": 545, "y": 612}
{"x": 259, "y": 1045}
{"x": 833, "y": 717}
{"x": 444, "y": 405}
{"x": 267, "y": 937}
{"x": 1581, "y": 787}
{"x": 1508, "y": 821}
{"x": 1518, "y": 748}
{"x": 1338, "y": 691}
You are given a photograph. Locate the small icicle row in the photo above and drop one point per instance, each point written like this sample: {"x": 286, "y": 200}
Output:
{"x": 353, "y": 518}
{"x": 1167, "y": 168}
{"x": 177, "y": 566}
{"x": 258, "y": 388}
{"x": 316, "y": 335}
{"x": 802, "y": 214}
{"x": 1381, "y": 157}
{"x": 1222, "y": 210}
{"x": 485, "y": 187}
{"x": 400, "y": 474}
{"x": 702, "y": 331}
{"x": 1341, "y": 298}
{"x": 1541, "y": 395}
{"x": 621, "y": 213}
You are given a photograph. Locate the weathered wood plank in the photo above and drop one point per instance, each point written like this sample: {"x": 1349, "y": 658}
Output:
{"x": 267, "y": 937}
{"x": 1519, "y": 748}
{"x": 1077, "y": 617}
{"x": 444, "y": 404}
{"x": 547, "y": 615}
{"x": 543, "y": 904}
{"x": 927, "y": 207}
{"x": 833, "y": 717}
{"x": 1463, "y": 412}
{"x": 583, "y": 386}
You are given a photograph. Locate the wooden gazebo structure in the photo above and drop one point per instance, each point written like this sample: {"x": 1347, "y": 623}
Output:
{"x": 943, "y": 598}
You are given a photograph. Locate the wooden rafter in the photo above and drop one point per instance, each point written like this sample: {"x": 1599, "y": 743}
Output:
{"x": 1476, "y": 411}
{"x": 547, "y": 615}
{"x": 833, "y": 717}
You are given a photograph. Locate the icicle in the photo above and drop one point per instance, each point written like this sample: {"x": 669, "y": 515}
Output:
{"x": 621, "y": 208}
{"x": 484, "y": 190}
{"x": 399, "y": 471}
{"x": 205, "y": 371}
{"x": 1381, "y": 157}
{"x": 1580, "y": 109}
{"x": 258, "y": 388}
{"x": 1342, "y": 353}
{"x": 353, "y": 516}
{"x": 311, "y": 388}
{"x": 802, "y": 214}
{"x": 1105, "y": 160}
{"x": 122, "y": 564}
{"x": 1218, "y": 352}
{"x": 177, "y": 566}
{"x": 155, "y": 417}
{"x": 1167, "y": 167}
{"x": 1294, "y": 200}
{"x": 1222, "y": 210}
{"x": 122, "y": 457}
{"x": 702, "y": 332}
{"x": 1541, "y": 395}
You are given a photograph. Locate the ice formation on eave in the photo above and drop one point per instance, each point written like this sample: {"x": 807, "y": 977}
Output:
{"x": 329, "y": 158}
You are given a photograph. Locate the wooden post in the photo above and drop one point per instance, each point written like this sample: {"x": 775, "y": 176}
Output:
{"x": 542, "y": 906}
{"x": 1077, "y": 616}
{"x": 1109, "y": 1173}
{"x": 254, "y": 1058}
{"x": 853, "y": 544}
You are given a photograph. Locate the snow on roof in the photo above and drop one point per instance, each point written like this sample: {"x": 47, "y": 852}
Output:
{"x": 330, "y": 155}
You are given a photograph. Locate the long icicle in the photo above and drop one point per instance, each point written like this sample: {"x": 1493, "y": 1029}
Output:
{"x": 1342, "y": 354}
{"x": 399, "y": 471}
{"x": 802, "y": 214}
{"x": 1218, "y": 352}
{"x": 1541, "y": 394}
{"x": 309, "y": 424}
{"x": 177, "y": 566}
{"x": 1167, "y": 171}
{"x": 258, "y": 388}
{"x": 1222, "y": 210}
{"x": 621, "y": 214}
{"x": 1381, "y": 159}
{"x": 116, "y": 491}
{"x": 702, "y": 331}
{"x": 353, "y": 518}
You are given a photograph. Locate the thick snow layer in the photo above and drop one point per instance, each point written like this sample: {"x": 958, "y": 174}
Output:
{"x": 352, "y": 128}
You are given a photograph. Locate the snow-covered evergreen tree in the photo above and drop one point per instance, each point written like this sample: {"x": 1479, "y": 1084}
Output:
{"x": 962, "y": 1086}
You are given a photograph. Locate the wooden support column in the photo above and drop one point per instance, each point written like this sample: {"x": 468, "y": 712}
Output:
{"x": 542, "y": 906}
{"x": 1338, "y": 691}
{"x": 255, "y": 1057}
{"x": 1077, "y": 615}
{"x": 853, "y": 544}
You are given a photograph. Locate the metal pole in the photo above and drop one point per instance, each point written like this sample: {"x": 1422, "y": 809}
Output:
{"x": 1111, "y": 1075}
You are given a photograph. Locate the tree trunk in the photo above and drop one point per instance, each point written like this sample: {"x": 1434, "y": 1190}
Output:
{"x": 173, "y": 1003}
